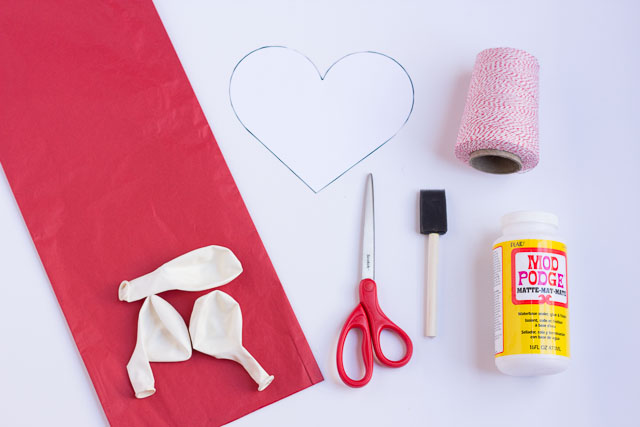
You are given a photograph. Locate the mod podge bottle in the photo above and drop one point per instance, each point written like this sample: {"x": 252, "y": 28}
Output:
{"x": 531, "y": 296}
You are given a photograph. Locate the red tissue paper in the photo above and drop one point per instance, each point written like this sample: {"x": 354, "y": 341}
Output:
{"x": 116, "y": 171}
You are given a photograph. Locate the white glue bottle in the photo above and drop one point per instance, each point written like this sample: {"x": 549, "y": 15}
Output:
{"x": 531, "y": 296}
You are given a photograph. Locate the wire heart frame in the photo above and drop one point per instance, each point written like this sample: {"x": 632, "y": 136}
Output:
{"x": 262, "y": 101}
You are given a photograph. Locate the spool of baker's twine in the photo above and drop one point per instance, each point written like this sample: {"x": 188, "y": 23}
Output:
{"x": 499, "y": 129}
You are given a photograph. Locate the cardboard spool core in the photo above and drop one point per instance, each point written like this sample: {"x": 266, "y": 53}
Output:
{"x": 495, "y": 161}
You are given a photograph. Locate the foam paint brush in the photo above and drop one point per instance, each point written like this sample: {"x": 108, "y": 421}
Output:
{"x": 433, "y": 222}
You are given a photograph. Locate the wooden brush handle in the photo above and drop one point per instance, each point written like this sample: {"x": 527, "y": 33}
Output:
{"x": 430, "y": 293}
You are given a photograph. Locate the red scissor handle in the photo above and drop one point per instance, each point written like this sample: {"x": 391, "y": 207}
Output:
{"x": 357, "y": 319}
{"x": 379, "y": 322}
{"x": 369, "y": 318}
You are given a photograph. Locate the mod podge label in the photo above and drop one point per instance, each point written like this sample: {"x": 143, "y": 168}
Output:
{"x": 531, "y": 297}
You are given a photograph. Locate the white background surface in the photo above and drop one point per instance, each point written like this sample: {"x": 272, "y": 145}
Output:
{"x": 588, "y": 176}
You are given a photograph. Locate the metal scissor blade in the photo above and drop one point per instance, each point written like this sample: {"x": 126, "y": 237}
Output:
{"x": 368, "y": 233}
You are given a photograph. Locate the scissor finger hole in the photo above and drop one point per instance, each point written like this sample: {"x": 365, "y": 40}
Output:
{"x": 392, "y": 345}
{"x": 352, "y": 355}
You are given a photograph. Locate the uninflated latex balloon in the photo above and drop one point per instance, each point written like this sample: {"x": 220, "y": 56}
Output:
{"x": 198, "y": 270}
{"x": 216, "y": 329}
{"x": 162, "y": 337}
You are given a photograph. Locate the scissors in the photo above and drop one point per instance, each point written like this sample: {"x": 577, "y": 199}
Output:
{"x": 367, "y": 316}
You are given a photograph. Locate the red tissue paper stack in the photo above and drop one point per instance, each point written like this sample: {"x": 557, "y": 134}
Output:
{"x": 116, "y": 171}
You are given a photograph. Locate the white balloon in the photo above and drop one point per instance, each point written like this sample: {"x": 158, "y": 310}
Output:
{"x": 200, "y": 269}
{"x": 216, "y": 329}
{"x": 162, "y": 337}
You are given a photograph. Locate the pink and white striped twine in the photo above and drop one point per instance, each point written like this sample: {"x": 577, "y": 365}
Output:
{"x": 501, "y": 113}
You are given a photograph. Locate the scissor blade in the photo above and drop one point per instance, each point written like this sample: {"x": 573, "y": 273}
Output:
{"x": 368, "y": 233}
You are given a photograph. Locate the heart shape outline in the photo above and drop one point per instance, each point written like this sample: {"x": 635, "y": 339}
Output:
{"x": 322, "y": 76}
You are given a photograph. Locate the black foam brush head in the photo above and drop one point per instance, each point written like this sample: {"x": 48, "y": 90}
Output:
{"x": 433, "y": 212}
